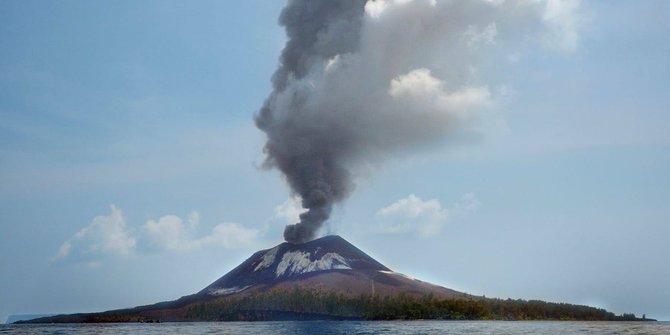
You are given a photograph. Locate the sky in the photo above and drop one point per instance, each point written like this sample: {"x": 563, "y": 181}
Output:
{"x": 131, "y": 168}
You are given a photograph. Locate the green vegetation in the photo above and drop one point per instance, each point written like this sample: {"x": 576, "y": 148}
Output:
{"x": 303, "y": 304}
{"x": 300, "y": 304}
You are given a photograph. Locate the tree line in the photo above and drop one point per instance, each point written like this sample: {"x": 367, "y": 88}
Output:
{"x": 311, "y": 304}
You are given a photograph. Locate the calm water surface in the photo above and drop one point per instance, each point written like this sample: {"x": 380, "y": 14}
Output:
{"x": 351, "y": 328}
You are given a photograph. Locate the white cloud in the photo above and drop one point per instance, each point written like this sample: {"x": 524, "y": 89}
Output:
{"x": 230, "y": 236}
{"x": 419, "y": 93}
{"x": 413, "y": 214}
{"x": 64, "y": 250}
{"x": 469, "y": 204}
{"x": 425, "y": 217}
{"x": 106, "y": 235}
{"x": 290, "y": 210}
{"x": 474, "y": 35}
{"x": 171, "y": 233}
{"x": 375, "y": 8}
{"x": 193, "y": 219}
{"x": 419, "y": 82}
{"x": 110, "y": 236}
{"x": 562, "y": 18}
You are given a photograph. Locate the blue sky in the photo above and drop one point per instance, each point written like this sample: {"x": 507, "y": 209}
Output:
{"x": 126, "y": 132}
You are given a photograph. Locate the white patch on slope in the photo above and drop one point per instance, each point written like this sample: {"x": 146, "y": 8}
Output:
{"x": 296, "y": 262}
{"x": 267, "y": 260}
{"x": 227, "y": 290}
{"x": 399, "y": 274}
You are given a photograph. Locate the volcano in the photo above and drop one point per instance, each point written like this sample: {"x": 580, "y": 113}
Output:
{"x": 328, "y": 266}
{"x": 329, "y": 278}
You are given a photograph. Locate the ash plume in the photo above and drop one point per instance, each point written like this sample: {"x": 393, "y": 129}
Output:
{"x": 302, "y": 146}
{"x": 360, "y": 80}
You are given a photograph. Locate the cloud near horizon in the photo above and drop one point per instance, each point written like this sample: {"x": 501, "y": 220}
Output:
{"x": 423, "y": 217}
{"x": 111, "y": 236}
{"x": 171, "y": 233}
{"x": 105, "y": 235}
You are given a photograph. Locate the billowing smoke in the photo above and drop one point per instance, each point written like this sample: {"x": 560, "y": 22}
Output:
{"x": 359, "y": 80}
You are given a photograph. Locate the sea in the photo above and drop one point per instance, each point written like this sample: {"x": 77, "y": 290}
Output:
{"x": 350, "y": 328}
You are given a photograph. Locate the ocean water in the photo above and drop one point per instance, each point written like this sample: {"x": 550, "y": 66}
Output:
{"x": 351, "y": 328}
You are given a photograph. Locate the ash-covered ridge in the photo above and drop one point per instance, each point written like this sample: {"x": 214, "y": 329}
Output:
{"x": 287, "y": 262}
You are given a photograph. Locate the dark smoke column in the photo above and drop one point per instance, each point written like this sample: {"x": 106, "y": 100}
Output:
{"x": 302, "y": 143}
